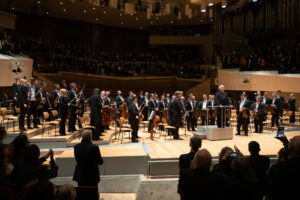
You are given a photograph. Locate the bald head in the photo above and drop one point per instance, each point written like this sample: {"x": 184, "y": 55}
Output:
{"x": 202, "y": 159}
{"x": 294, "y": 146}
{"x": 86, "y": 134}
{"x": 66, "y": 192}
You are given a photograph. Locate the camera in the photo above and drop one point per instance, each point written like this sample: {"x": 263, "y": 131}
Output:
{"x": 280, "y": 132}
{"x": 234, "y": 154}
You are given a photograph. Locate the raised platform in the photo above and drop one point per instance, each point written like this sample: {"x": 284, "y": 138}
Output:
{"x": 212, "y": 132}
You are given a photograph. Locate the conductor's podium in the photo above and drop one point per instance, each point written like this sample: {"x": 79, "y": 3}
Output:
{"x": 212, "y": 132}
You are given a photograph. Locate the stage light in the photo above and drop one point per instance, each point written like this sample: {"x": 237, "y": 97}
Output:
{"x": 94, "y": 8}
{"x": 136, "y": 19}
{"x": 224, "y": 3}
{"x": 84, "y": 11}
{"x": 104, "y": 12}
{"x": 64, "y": 10}
{"x": 38, "y": 2}
{"x": 171, "y": 22}
{"x": 203, "y": 6}
{"x": 97, "y": 19}
{"x": 13, "y": 8}
{"x": 120, "y": 14}
{"x": 210, "y": 3}
{"x": 61, "y": 3}
{"x": 254, "y": 1}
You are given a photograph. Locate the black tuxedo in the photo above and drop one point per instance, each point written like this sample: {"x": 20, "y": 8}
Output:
{"x": 177, "y": 109}
{"x": 185, "y": 160}
{"x": 267, "y": 101}
{"x": 119, "y": 101}
{"x": 190, "y": 106}
{"x": 292, "y": 107}
{"x": 275, "y": 115}
{"x": 151, "y": 107}
{"x": 134, "y": 121}
{"x": 88, "y": 157}
{"x": 221, "y": 99}
{"x": 96, "y": 118}
{"x": 258, "y": 123}
{"x": 21, "y": 100}
{"x": 33, "y": 105}
{"x": 63, "y": 113}
{"x": 141, "y": 99}
{"x": 243, "y": 121}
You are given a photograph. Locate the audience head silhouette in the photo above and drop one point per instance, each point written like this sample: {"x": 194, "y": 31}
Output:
{"x": 202, "y": 160}
{"x": 66, "y": 192}
{"x": 86, "y": 134}
{"x": 195, "y": 143}
{"x": 254, "y": 148}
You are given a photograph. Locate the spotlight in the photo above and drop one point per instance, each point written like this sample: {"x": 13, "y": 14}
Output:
{"x": 211, "y": 3}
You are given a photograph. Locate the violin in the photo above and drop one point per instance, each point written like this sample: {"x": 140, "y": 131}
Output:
{"x": 244, "y": 114}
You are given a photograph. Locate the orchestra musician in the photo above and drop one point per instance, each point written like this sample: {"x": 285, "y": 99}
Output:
{"x": 292, "y": 107}
{"x": 15, "y": 94}
{"x": 178, "y": 108}
{"x": 258, "y": 108}
{"x": 282, "y": 101}
{"x": 171, "y": 113}
{"x": 275, "y": 104}
{"x": 258, "y": 94}
{"x": 33, "y": 90}
{"x": 189, "y": 106}
{"x": 145, "y": 110}
{"x": 119, "y": 98}
{"x": 96, "y": 118}
{"x": 203, "y": 106}
{"x": 221, "y": 100}
{"x": 73, "y": 99}
{"x": 129, "y": 99}
{"x": 141, "y": 97}
{"x": 106, "y": 103}
{"x": 55, "y": 96}
{"x": 162, "y": 106}
{"x": 266, "y": 100}
{"x": 211, "y": 103}
{"x": 134, "y": 111}
{"x": 243, "y": 115}
{"x": 168, "y": 99}
{"x": 195, "y": 102}
{"x": 151, "y": 108}
{"x": 22, "y": 102}
{"x": 63, "y": 107}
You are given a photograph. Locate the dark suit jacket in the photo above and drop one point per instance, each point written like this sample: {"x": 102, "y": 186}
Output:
{"x": 246, "y": 106}
{"x": 260, "y": 109}
{"x": 292, "y": 104}
{"x": 209, "y": 103}
{"x": 151, "y": 106}
{"x": 96, "y": 106}
{"x": 200, "y": 105}
{"x": 188, "y": 106}
{"x": 22, "y": 96}
{"x": 199, "y": 184}
{"x": 129, "y": 100}
{"x": 53, "y": 96}
{"x": 88, "y": 157}
{"x": 185, "y": 160}
{"x": 119, "y": 100}
{"x": 177, "y": 108}
{"x": 71, "y": 97}
{"x": 268, "y": 101}
{"x": 63, "y": 106}
{"x": 133, "y": 114}
{"x": 15, "y": 89}
{"x": 161, "y": 106}
{"x": 141, "y": 99}
{"x": 222, "y": 99}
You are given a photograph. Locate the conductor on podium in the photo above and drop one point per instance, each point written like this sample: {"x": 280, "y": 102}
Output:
{"x": 221, "y": 101}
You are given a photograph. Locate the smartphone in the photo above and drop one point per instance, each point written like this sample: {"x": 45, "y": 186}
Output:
{"x": 280, "y": 132}
{"x": 234, "y": 154}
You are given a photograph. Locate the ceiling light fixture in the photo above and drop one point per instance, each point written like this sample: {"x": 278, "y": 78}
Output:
{"x": 94, "y": 8}
{"x": 136, "y": 19}
{"x": 224, "y": 3}
{"x": 61, "y": 3}
{"x": 38, "y": 2}
{"x": 64, "y": 10}
{"x": 210, "y": 3}
{"x": 84, "y": 11}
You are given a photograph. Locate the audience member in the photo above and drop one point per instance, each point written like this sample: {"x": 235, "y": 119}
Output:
{"x": 260, "y": 165}
{"x": 43, "y": 189}
{"x": 185, "y": 159}
{"x": 225, "y": 160}
{"x": 88, "y": 157}
{"x": 66, "y": 192}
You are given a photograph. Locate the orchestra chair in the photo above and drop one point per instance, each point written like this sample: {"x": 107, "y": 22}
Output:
{"x": 268, "y": 122}
{"x": 233, "y": 118}
{"x": 167, "y": 128}
{"x": 8, "y": 118}
{"x": 145, "y": 123}
{"x": 285, "y": 117}
{"x": 54, "y": 123}
{"x": 87, "y": 192}
{"x": 85, "y": 122}
{"x": 123, "y": 129}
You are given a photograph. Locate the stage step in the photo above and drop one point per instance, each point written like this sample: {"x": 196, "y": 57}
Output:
{"x": 117, "y": 196}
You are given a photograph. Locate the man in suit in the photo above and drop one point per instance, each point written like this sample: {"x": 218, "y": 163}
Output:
{"x": 185, "y": 159}
{"x": 134, "y": 111}
{"x": 190, "y": 106}
{"x": 146, "y": 104}
{"x": 258, "y": 108}
{"x": 275, "y": 105}
{"x": 195, "y": 102}
{"x": 292, "y": 107}
{"x": 203, "y": 106}
{"x": 15, "y": 93}
{"x": 258, "y": 94}
{"x": 96, "y": 118}
{"x": 178, "y": 108}
{"x": 221, "y": 100}
{"x": 266, "y": 100}
{"x": 211, "y": 103}
{"x": 171, "y": 113}
{"x": 260, "y": 165}
{"x": 73, "y": 99}
{"x": 168, "y": 99}
{"x": 55, "y": 96}
{"x": 198, "y": 182}
{"x": 151, "y": 109}
{"x": 22, "y": 103}
{"x": 63, "y": 107}
{"x": 33, "y": 91}
{"x": 141, "y": 97}
{"x": 129, "y": 99}
{"x": 282, "y": 101}
{"x": 88, "y": 157}
{"x": 119, "y": 98}
{"x": 243, "y": 107}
